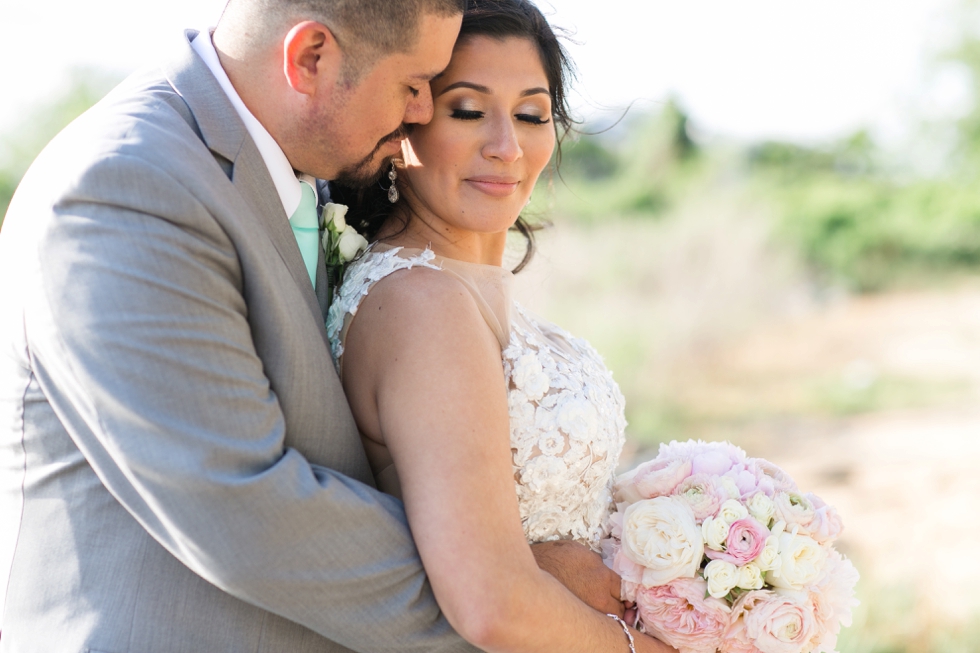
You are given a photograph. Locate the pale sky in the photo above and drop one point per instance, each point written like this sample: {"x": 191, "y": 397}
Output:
{"x": 804, "y": 70}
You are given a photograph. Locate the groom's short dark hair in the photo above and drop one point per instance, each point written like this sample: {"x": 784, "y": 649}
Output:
{"x": 366, "y": 30}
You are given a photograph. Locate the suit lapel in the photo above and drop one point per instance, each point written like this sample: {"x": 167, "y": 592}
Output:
{"x": 225, "y": 135}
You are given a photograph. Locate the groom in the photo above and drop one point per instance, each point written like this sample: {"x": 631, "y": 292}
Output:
{"x": 179, "y": 469}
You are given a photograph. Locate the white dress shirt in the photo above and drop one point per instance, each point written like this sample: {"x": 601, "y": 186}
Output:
{"x": 275, "y": 160}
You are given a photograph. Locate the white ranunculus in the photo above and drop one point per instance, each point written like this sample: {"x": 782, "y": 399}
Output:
{"x": 750, "y": 577}
{"x": 801, "y": 560}
{"x": 731, "y": 511}
{"x": 761, "y": 507}
{"x": 722, "y": 578}
{"x": 351, "y": 244}
{"x": 661, "y": 536}
{"x": 333, "y": 217}
{"x": 714, "y": 533}
{"x": 769, "y": 560}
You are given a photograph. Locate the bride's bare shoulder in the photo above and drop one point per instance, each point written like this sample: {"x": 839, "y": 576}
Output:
{"x": 418, "y": 306}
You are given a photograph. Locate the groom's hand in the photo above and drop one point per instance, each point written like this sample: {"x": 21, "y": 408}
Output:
{"x": 583, "y": 573}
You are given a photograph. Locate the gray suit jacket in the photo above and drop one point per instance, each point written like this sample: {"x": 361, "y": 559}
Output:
{"x": 180, "y": 469}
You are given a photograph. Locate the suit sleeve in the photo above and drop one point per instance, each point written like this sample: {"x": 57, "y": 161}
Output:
{"x": 139, "y": 337}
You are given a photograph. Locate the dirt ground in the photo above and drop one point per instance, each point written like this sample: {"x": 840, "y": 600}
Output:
{"x": 902, "y": 467}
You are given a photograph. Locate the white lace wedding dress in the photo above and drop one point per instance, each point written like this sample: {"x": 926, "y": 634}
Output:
{"x": 566, "y": 412}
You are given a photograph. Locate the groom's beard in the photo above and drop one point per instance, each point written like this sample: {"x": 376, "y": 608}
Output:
{"x": 366, "y": 172}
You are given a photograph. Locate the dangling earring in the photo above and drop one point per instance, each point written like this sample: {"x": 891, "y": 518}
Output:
{"x": 393, "y": 189}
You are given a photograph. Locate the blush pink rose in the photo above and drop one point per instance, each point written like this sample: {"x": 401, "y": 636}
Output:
{"x": 679, "y": 614}
{"x": 826, "y": 525}
{"x": 767, "y": 622}
{"x": 656, "y": 478}
{"x": 832, "y": 597}
{"x": 703, "y": 493}
{"x": 794, "y": 509}
{"x": 746, "y": 540}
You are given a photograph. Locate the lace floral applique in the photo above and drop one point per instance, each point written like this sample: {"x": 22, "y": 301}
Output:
{"x": 567, "y": 431}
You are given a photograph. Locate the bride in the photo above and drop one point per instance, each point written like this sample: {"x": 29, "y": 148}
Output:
{"x": 459, "y": 393}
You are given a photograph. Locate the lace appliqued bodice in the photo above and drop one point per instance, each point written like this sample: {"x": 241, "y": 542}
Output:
{"x": 567, "y": 419}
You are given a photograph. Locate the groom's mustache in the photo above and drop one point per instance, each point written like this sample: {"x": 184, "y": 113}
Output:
{"x": 401, "y": 133}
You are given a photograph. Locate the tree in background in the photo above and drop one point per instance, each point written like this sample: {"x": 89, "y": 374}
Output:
{"x": 20, "y": 146}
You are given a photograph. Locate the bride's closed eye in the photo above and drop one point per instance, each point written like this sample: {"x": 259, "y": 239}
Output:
{"x": 467, "y": 114}
{"x": 532, "y": 119}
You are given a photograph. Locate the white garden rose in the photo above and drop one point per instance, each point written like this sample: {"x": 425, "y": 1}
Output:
{"x": 801, "y": 560}
{"x": 333, "y": 215}
{"x": 351, "y": 244}
{"x": 731, "y": 511}
{"x": 714, "y": 533}
{"x": 661, "y": 536}
{"x": 750, "y": 577}
{"x": 722, "y": 578}
{"x": 769, "y": 559}
{"x": 761, "y": 507}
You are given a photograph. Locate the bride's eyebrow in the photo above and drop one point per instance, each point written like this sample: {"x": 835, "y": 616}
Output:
{"x": 479, "y": 88}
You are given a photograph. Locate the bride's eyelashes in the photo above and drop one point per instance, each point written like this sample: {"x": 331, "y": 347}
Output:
{"x": 466, "y": 114}
{"x": 532, "y": 119}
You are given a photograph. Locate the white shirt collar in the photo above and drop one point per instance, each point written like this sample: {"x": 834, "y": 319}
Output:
{"x": 275, "y": 160}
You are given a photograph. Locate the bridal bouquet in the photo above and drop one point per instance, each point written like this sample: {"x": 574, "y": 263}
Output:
{"x": 722, "y": 552}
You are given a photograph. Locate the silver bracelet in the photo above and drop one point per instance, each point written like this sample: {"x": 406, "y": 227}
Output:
{"x": 626, "y": 629}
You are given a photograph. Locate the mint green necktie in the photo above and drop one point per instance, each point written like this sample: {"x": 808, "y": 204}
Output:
{"x": 306, "y": 228}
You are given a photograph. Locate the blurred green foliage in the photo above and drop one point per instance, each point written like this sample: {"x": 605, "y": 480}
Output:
{"x": 849, "y": 217}
{"x": 21, "y": 145}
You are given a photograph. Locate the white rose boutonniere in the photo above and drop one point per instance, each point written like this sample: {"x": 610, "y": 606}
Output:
{"x": 341, "y": 243}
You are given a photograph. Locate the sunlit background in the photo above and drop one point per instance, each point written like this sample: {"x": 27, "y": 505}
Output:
{"x": 777, "y": 244}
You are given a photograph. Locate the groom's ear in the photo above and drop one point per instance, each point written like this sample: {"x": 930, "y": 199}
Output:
{"x": 311, "y": 56}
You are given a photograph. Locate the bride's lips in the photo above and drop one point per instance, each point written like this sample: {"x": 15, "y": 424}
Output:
{"x": 493, "y": 185}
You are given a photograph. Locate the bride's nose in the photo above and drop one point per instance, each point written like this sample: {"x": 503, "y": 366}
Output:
{"x": 502, "y": 141}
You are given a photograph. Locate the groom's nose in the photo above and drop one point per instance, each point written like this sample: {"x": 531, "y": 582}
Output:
{"x": 419, "y": 109}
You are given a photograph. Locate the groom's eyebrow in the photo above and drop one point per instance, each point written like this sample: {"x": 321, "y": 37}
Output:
{"x": 479, "y": 88}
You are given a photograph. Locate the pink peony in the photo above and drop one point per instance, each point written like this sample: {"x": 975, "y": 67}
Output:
{"x": 746, "y": 540}
{"x": 656, "y": 478}
{"x": 745, "y": 479}
{"x": 679, "y": 614}
{"x": 703, "y": 493}
{"x": 766, "y": 622}
{"x": 713, "y": 458}
{"x": 826, "y": 525}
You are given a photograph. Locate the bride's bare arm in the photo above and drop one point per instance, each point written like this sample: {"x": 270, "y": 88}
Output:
{"x": 423, "y": 372}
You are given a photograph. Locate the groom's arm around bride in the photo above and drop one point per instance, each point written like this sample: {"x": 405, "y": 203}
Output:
{"x": 182, "y": 471}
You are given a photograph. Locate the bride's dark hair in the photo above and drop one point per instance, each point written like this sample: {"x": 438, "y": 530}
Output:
{"x": 497, "y": 19}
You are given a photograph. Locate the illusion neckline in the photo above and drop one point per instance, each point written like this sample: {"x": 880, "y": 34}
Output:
{"x": 380, "y": 248}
